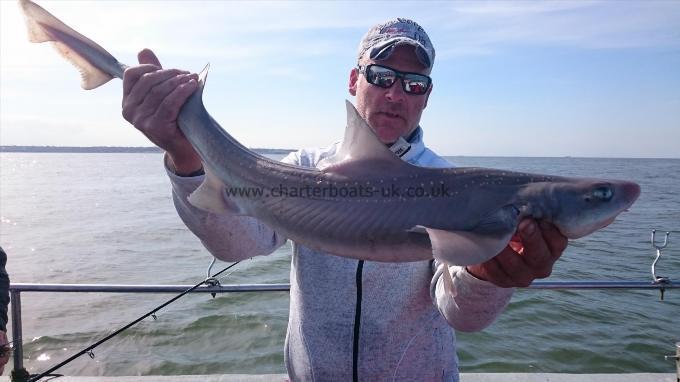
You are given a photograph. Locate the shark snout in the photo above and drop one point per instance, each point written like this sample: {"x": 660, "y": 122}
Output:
{"x": 630, "y": 191}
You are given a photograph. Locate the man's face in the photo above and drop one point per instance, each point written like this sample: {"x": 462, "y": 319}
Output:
{"x": 391, "y": 113}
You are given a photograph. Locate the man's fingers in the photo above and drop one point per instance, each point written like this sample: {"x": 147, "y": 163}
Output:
{"x": 154, "y": 86}
{"x": 514, "y": 267}
{"x": 148, "y": 63}
{"x": 554, "y": 239}
{"x": 516, "y": 243}
{"x": 169, "y": 109}
{"x": 147, "y": 56}
{"x": 495, "y": 271}
{"x": 536, "y": 253}
{"x": 519, "y": 264}
{"x": 498, "y": 270}
{"x": 133, "y": 74}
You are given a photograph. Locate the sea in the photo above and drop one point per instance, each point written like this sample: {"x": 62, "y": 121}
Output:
{"x": 108, "y": 218}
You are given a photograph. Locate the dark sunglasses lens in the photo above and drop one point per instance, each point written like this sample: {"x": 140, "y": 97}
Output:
{"x": 416, "y": 84}
{"x": 379, "y": 76}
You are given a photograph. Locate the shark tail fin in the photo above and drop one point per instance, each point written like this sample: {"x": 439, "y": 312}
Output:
{"x": 96, "y": 65}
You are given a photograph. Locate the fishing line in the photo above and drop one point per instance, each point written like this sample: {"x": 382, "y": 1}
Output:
{"x": 228, "y": 274}
{"x": 88, "y": 350}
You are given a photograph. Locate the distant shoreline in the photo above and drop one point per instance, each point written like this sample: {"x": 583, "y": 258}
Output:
{"x": 264, "y": 151}
{"x": 108, "y": 149}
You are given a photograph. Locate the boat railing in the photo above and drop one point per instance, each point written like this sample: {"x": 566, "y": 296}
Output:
{"x": 17, "y": 289}
{"x": 213, "y": 287}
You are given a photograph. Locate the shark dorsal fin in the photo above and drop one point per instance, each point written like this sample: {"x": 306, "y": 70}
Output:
{"x": 359, "y": 144}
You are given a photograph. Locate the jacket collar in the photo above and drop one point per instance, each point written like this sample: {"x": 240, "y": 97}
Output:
{"x": 411, "y": 148}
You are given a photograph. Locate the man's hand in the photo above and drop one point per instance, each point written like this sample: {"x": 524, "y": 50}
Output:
{"x": 5, "y": 356}
{"x": 531, "y": 254}
{"x": 152, "y": 99}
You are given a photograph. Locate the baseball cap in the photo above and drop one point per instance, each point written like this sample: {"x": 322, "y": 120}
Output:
{"x": 381, "y": 40}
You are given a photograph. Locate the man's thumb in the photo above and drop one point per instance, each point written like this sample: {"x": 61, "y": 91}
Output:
{"x": 146, "y": 56}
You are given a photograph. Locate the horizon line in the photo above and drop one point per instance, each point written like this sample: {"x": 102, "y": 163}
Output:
{"x": 153, "y": 149}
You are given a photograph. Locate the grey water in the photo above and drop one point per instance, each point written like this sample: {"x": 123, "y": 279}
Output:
{"x": 108, "y": 218}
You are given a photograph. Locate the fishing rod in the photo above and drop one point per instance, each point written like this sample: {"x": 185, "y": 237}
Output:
{"x": 152, "y": 313}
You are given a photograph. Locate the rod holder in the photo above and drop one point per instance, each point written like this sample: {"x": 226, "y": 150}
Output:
{"x": 676, "y": 357}
{"x": 19, "y": 374}
{"x": 659, "y": 280}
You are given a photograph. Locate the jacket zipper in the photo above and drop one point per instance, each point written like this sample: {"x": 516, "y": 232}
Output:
{"x": 357, "y": 324}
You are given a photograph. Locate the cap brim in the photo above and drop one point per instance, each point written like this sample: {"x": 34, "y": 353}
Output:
{"x": 384, "y": 50}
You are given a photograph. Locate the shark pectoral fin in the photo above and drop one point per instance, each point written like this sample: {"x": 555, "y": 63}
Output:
{"x": 209, "y": 196}
{"x": 505, "y": 219}
{"x": 465, "y": 247}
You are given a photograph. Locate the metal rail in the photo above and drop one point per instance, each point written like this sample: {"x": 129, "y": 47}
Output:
{"x": 17, "y": 288}
{"x": 123, "y": 288}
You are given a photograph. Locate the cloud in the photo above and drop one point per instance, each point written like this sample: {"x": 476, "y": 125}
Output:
{"x": 256, "y": 30}
{"x": 470, "y": 28}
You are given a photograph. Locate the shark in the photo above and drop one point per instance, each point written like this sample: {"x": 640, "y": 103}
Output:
{"x": 364, "y": 202}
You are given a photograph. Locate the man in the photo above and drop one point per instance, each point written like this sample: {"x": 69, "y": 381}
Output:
{"x": 354, "y": 319}
{"x": 5, "y": 350}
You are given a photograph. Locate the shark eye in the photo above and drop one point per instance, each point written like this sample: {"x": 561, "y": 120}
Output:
{"x": 603, "y": 193}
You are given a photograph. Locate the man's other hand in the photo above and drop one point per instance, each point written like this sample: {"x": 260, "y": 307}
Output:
{"x": 530, "y": 255}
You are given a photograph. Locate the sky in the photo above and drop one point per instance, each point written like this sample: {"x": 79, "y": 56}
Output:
{"x": 550, "y": 78}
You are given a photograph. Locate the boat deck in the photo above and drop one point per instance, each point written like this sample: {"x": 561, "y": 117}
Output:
{"x": 465, "y": 377}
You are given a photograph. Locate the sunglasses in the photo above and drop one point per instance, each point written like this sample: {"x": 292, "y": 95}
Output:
{"x": 384, "y": 77}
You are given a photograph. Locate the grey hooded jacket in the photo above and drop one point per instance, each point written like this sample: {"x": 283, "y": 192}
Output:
{"x": 358, "y": 320}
